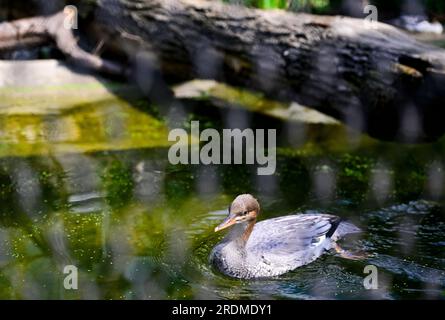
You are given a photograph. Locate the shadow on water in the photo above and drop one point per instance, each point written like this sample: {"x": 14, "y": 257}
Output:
{"x": 138, "y": 227}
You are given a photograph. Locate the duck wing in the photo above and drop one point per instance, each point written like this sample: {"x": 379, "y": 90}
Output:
{"x": 292, "y": 240}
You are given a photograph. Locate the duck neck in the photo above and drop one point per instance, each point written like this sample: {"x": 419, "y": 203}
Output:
{"x": 240, "y": 233}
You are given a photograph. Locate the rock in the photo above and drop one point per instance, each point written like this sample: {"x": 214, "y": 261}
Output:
{"x": 231, "y": 96}
{"x": 50, "y": 86}
{"x": 48, "y": 108}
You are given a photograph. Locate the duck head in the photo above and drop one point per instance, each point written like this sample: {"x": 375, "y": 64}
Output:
{"x": 244, "y": 209}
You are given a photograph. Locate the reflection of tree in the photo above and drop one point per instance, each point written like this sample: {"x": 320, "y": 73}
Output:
{"x": 117, "y": 182}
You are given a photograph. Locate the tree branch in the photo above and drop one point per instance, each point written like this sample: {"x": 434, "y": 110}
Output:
{"x": 37, "y": 31}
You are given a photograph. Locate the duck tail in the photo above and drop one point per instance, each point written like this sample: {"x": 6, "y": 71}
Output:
{"x": 344, "y": 228}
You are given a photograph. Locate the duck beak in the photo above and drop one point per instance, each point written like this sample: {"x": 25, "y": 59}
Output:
{"x": 229, "y": 221}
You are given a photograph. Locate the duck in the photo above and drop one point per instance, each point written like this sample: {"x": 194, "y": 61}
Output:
{"x": 275, "y": 246}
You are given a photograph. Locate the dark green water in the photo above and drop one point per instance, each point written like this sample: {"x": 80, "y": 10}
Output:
{"x": 138, "y": 227}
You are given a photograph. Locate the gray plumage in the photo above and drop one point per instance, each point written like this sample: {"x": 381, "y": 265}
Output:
{"x": 276, "y": 246}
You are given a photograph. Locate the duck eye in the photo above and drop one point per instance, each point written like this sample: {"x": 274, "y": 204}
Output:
{"x": 244, "y": 213}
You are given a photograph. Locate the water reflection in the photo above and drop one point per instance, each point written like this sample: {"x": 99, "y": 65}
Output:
{"x": 381, "y": 182}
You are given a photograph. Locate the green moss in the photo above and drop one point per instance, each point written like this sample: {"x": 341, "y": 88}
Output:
{"x": 118, "y": 184}
{"x": 108, "y": 125}
{"x": 144, "y": 230}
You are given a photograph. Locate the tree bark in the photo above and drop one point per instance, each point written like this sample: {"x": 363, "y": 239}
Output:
{"x": 370, "y": 76}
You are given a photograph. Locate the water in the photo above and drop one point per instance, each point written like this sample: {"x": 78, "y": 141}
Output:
{"x": 100, "y": 194}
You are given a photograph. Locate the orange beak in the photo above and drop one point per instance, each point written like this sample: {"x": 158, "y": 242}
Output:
{"x": 229, "y": 221}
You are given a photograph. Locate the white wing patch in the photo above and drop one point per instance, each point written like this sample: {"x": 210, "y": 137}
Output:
{"x": 318, "y": 241}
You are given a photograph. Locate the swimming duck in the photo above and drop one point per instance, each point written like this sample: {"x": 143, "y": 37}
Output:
{"x": 275, "y": 246}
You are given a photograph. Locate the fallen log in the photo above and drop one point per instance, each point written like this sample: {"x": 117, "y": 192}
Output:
{"x": 369, "y": 75}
